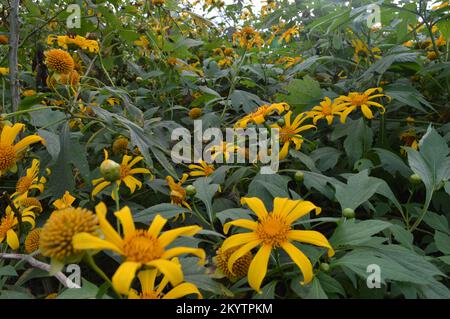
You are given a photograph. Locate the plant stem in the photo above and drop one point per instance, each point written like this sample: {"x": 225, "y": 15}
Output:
{"x": 91, "y": 262}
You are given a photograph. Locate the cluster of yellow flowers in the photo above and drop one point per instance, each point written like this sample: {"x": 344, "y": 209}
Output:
{"x": 78, "y": 41}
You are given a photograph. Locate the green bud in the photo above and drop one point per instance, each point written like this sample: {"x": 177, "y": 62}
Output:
{"x": 349, "y": 213}
{"x": 415, "y": 179}
{"x": 281, "y": 122}
{"x": 299, "y": 177}
{"x": 325, "y": 267}
{"x": 191, "y": 190}
{"x": 139, "y": 79}
{"x": 110, "y": 170}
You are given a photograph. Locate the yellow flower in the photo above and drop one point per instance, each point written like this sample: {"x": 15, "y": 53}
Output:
{"x": 240, "y": 266}
{"x": 32, "y": 240}
{"x": 150, "y": 290}
{"x": 31, "y": 180}
{"x": 126, "y": 175}
{"x": 139, "y": 247}
{"x": 248, "y": 37}
{"x": 224, "y": 150}
{"x": 4, "y": 39}
{"x": 120, "y": 145}
{"x": 59, "y": 61}
{"x": 441, "y": 6}
{"x": 64, "y": 202}
{"x": 363, "y": 100}
{"x": 432, "y": 55}
{"x": 9, "y": 222}
{"x": 177, "y": 192}
{"x": 259, "y": 116}
{"x": 4, "y": 71}
{"x": 289, "y": 61}
{"x": 362, "y": 50}
{"x": 289, "y": 132}
{"x": 225, "y": 62}
{"x": 158, "y": 2}
{"x": 79, "y": 41}
{"x": 288, "y": 34}
{"x": 409, "y": 138}
{"x": 57, "y": 234}
{"x": 201, "y": 170}
{"x": 26, "y": 203}
{"x": 272, "y": 231}
{"x": 327, "y": 110}
{"x": 441, "y": 41}
{"x": 29, "y": 93}
{"x": 195, "y": 113}
{"x": 9, "y": 152}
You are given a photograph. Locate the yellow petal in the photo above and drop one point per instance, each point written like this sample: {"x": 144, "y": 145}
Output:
{"x": 301, "y": 260}
{"x": 173, "y": 252}
{"x": 366, "y": 111}
{"x": 170, "y": 269}
{"x": 97, "y": 189}
{"x": 12, "y": 239}
{"x": 284, "y": 151}
{"x": 256, "y": 205}
{"x": 26, "y": 142}
{"x": 157, "y": 225}
{"x": 85, "y": 241}
{"x": 108, "y": 231}
{"x": 238, "y": 240}
{"x": 169, "y": 236}
{"x": 258, "y": 267}
{"x": 244, "y": 223}
{"x": 311, "y": 237}
{"x": 182, "y": 290}
{"x": 147, "y": 279}
{"x": 9, "y": 133}
{"x": 301, "y": 209}
{"x": 124, "y": 276}
{"x": 126, "y": 219}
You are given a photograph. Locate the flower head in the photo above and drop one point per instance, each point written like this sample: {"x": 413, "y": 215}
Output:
{"x": 126, "y": 175}
{"x": 363, "y": 51}
{"x": 223, "y": 150}
{"x": 288, "y": 34}
{"x": 177, "y": 192}
{"x": 65, "y": 201}
{"x": 240, "y": 266}
{"x": 4, "y": 39}
{"x": 272, "y": 231}
{"x": 31, "y": 180}
{"x": 150, "y": 290}
{"x": 203, "y": 169}
{"x": 32, "y": 240}
{"x": 139, "y": 247}
{"x": 327, "y": 110}
{"x": 289, "y": 132}
{"x": 4, "y": 71}
{"x": 57, "y": 233}
{"x": 248, "y": 37}
{"x": 9, "y": 152}
{"x": 8, "y": 224}
{"x": 59, "y": 61}
{"x": 363, "y": 100}
{"x": 259, "y": 116}
{"x": 195, "y": 113}
{"x": 120, "y": 145}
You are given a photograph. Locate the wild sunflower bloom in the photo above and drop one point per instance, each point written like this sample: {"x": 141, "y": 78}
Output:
{"x": 150, "y": 290}
{"x": 9, "y": 152}
{"x": 248, "y": 37}
{"x": 139, "y": 247}
{"x": 59, "y": 61}
{"x": 195, "y": 113}
{"x": 126, "y": 175}
{"x": 4, "y": 71}
{"x": 289, "y": 132}
{"x": 327, "y": 110}
{"x": 240, "y": 266}
{"x": 29, "y": 203}
{"x": 65, "y": 201}
{"x": 289, "y": 61}
{"x": 28, "y": 93}
{"x": 31, "y": 180}
{"x": 203, "y": 169}
{"x": 177, "y": 192}
{"x": 223, "y": 150}
{"x": 32, "y": 241}
{"x": 362, "y": 50}
{"x": 288, "y": 34}
{"x": 363, "y": 100}
{"x": 410, "y": 139}
{"x": 272, "y": 231}
{"x": 8, "y": 224}
{"x": 57, "y": 233}
{"x": 259, "y": 116}
{"x": 120, "y": 145}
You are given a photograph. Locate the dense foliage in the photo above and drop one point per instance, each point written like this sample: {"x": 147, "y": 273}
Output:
{"x": 359, "y": 205}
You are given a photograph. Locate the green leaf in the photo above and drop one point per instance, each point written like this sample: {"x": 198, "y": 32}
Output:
{"x": 442, "y": 242}
{"x": 392, "y": 163}
{"x": 8, "y": 271}
{"x": 267, "y": 187}
{"x": 313, "y": 290}
{"x": 267, "y": 292}
{"x": 301, "y": 93}
{"x": 165, "y": 210}
{"x": 206, "y": 192}
{"x": 87, "y": 291}
{"x": 352, "y": 233}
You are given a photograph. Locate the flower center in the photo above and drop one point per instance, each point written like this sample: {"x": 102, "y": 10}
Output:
{"x": 7, "y": 156}
{"x": 178, "y": 194}
{"x": 208, "y": 170}
{"x": 286, "y": 134}
{"x": 142, "y": 247}
{"x": 24, "y": 184}
{"x": 124, "y": 171}
{"x": 5, "y": 225}
{"x": 150, "y": 295}
{"x": 359, "y": 100}
{"x": 273, "y": 230}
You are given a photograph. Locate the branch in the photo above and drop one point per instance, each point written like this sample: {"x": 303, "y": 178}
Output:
{"x": 13, "y": 54}
{"x": 66, "y": 282}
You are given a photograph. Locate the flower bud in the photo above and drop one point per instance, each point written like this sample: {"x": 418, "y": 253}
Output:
{"x": 110, "y": 170}
{"x": 325, "y": 267}
{"x": 281, "y": 122}
{"x": 299, "y": 177}
{"x": 349, "y": 213}
{"x": 191, "y": 190}
{"x": 415, "y": 179}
